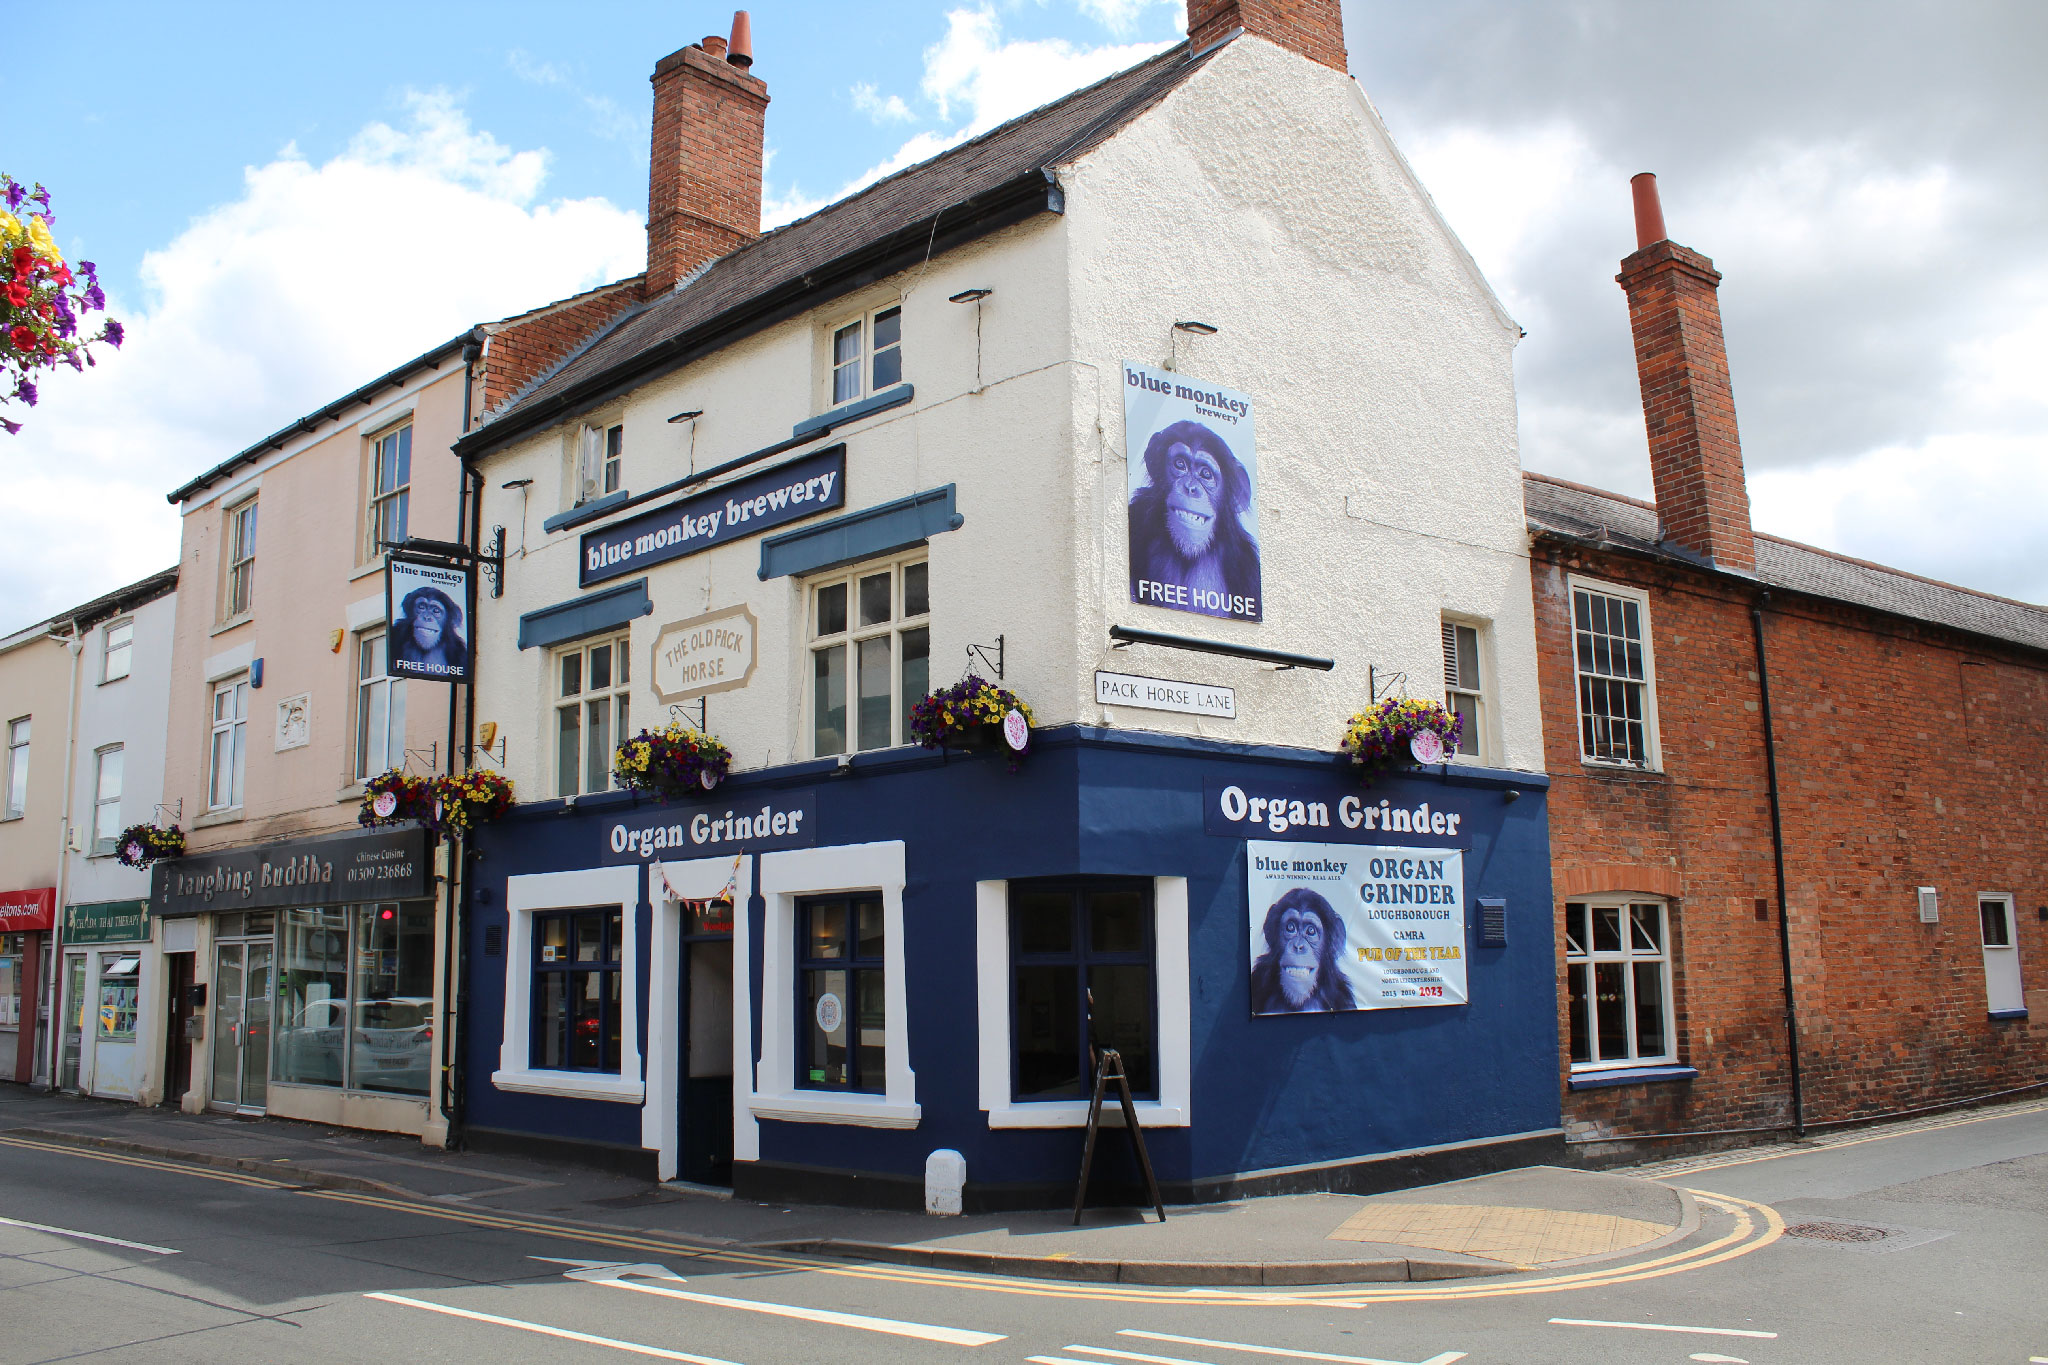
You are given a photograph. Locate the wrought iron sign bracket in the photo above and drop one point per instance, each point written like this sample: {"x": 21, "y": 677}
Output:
{"x": 681, "y": 711}
{"x": 981, "y": 652}
{"x": 1121, "y": 637}
{"x": 454, "y": 552}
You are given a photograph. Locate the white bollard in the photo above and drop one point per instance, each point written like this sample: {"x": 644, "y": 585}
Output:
{"x": 945, "y": 1174}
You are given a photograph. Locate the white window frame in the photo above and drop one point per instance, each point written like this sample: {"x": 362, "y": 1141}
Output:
{"x": 2003, "y": 991}
{"x": 588, "y": 888}
{"x": 1175, "y": 1106}
{"x": 18, "y": 753}
{"x": 360, "y": 755}
{"x": 1479, "y": 732}
{"x": 216, "y": 726}
{"x": 600, "y": 461}
{"x": 98, "y": 844}
{"x": 1628, "y": 956}
{"x": 850, "y": 639}
{"x": 378, "y": 500}
{"x": 1653, "y": 756}
{"x": 240, "y": 557}
{"x": 108, "y": 646}
{"x": 863, "y": 363}
{"x": 785, "y": 877}
{"x": 617, "y": 691}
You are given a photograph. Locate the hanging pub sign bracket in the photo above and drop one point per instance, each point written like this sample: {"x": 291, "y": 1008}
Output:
{"x": 681, "y": 711}
{"x": 981, "y": 652}
{"x": 1372, "y": 683}
{"x": 172, "y": 813}
{"x": 1123, "y": 636}
{"x": 454, "y": 552}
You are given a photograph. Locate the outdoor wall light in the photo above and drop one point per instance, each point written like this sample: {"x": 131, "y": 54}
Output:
{"x": 689, "y": 416}
{"x": 516, "y": 483}
{"x": 969, "y": 296}
{"x": 1511, "y": 794}
{"x": 1200, "y": 329}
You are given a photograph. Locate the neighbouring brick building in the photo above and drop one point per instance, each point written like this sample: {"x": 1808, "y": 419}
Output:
{"x": 1712, "y": 696}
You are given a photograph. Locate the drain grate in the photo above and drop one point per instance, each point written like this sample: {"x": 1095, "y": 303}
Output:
{"x": 1837, "y": 1232}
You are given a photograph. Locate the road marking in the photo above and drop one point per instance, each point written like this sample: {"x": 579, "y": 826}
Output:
{"x": 613, "y": 1276}
{"x": 90, "y": 1237}
{"x": 1682, "y": 1167}
{"x": 123, "y": 1159}
{"x": 1664, "y": 1327}
{"x": 1444, "y": 1358}
{"x": 1711, "y": 1359}
{"x": 637, "y": 1348}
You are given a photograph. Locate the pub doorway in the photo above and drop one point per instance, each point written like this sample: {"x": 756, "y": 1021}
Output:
{"x": 705, "y": 1123}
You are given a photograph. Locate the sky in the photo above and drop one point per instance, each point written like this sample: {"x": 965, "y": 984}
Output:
{"x": 285, "y": 202}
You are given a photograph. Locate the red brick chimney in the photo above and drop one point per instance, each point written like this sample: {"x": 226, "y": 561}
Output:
{"x": 1688, "y": 404}
{"x": 1314, "y": 28}
{"x": 704, "y": 179}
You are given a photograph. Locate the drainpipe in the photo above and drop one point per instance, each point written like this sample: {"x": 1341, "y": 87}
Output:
{"x": 1763, "y": 678}
{"x": 469, "y": 511}
{"x": 76, "y": 644}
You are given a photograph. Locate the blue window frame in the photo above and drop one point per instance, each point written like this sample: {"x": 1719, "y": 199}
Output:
{"x": 841, "y": 1027}
{"x": 1078, "y": 948}
{"x": 576, "y": 1015}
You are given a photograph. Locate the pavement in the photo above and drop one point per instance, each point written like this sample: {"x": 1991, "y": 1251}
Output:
{"x": 1539, "y": 1217}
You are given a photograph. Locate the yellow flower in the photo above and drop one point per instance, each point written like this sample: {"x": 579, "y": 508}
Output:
{"x": 39, "y": 238}
{"x": 10, "y": 228}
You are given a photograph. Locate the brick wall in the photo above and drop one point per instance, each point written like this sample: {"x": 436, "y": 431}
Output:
{"x": 704, "y": 174}
{"x": 520, "y": 348}
{"x": 1314, "y": 28}
{"x": 1908, "y": 756}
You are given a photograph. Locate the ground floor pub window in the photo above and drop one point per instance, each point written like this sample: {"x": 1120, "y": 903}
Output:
{"x": 13, "y": 974}
{"x": 355, "y": 989}
{"x": 1080, "y": 950}
{"x": 1618, "y": 975}
{"x": 576, "y": 1014}
{"x": 842, "y": 1028}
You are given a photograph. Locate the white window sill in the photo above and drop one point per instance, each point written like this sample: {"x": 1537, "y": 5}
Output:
{"x": 1074, "y": 1114}
{"x": 374, "y": 566}
{"x": 233, "y": 623}
{"x": 812, "y": 1106}
{"x": 228, "y": 816}
{"x": 577, "y": 1085}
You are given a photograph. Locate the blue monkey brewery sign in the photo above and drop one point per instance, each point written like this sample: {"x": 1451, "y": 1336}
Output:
{"x": 1192, "y": 483}
{"x": 1355, "y": 926}
{"x": 735, "y": 511}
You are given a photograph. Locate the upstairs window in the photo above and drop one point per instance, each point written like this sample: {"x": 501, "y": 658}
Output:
{"x": 117, "y": 649}
{"x": 599, "y": 452}
{"x": 1464, "y": 694}
{"x": 380, "y": 711}
{"x": 1611, "y": 655}
{"x": 870, "y": 656}
{"x": 241, "y": 544}
{"x": 867, "y": 355}
{"x": 106, "y": 800}
{"x": 17, "y": 768}
{"x": 390, "y": 489}
{"x": 229, "y": 745}
{"x": 590, "y": 714}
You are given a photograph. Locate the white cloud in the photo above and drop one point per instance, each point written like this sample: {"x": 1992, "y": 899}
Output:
{"x": 976, "y": 80}
{"x": 315, "y": 280}
{"x": 890, "y": 109}
{"x": 607, "y": 119}
{"x": 1121, "y": 16}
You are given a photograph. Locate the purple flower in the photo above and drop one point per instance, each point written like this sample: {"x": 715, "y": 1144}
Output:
{"x": 95, "y": 301}
{"x": 114, "y": 334}
{"x": 15, "y": 194}
{"x": 90, "y": 271}
{"x": 71, "y": 359}
{"x": 11, "y": 427}
{"x": 26, "y": 392}
{"x": 67, "y": 321}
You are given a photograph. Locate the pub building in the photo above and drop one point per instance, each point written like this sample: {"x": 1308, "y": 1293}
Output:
{"x": 319, "y": 996}
{"x": 1174, "y": 408}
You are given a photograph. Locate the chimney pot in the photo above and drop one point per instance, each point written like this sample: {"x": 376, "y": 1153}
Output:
{"x": 1649, "y": 211}
{"x": 740, "y": 51}
{"x": 713, "y": 44}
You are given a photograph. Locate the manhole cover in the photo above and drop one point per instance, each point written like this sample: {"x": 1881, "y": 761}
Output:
{"x": 1837, "y": 1232}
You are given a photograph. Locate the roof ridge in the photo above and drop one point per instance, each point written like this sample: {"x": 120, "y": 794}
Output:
{"x": 1825, "y": 553}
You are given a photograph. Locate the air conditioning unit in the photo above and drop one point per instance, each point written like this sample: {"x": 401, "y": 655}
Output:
{"x": 1930, "y": 906}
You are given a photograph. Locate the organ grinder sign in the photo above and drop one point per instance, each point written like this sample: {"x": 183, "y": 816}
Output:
{"x": 710, "y": 653}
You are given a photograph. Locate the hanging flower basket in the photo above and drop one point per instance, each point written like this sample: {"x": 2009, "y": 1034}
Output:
{"x": 391, "y": 797}
{"x": 671, "y": 763}
{"x": 974, "y": 714}
{"x": 42, "y": 305}
{"x": 1399, "y": 732}
{"x": 463, "y": 801}
{"x": 141, "y": 845}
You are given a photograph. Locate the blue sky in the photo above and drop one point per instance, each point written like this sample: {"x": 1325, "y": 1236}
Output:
{"x": 286, "y": 201}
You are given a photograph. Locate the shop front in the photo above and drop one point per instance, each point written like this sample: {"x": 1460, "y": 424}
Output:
{"x": 820, "y": 974}
{"x": 26, "y": 918}
{"x": 317, "y": 977}
{"x": 105, "y": 1044}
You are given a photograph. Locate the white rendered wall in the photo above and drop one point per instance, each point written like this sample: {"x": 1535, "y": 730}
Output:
{"x": 133, "y": 712}
{"x": 1265, "y": 196}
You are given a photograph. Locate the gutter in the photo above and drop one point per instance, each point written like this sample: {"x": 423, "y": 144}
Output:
{"x": 1023, "y": 197}
{"x": 1763, "y": 683}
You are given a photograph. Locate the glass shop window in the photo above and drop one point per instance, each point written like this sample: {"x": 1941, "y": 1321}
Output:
{"x": 1617, "y": 958}
{"x": 1082, "y": 952}
{"x": 576, "y": 1008}
{"x": 120, "y": 995}
{"x": 355, "y": 987}
{"x": 841, "y": 1029}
